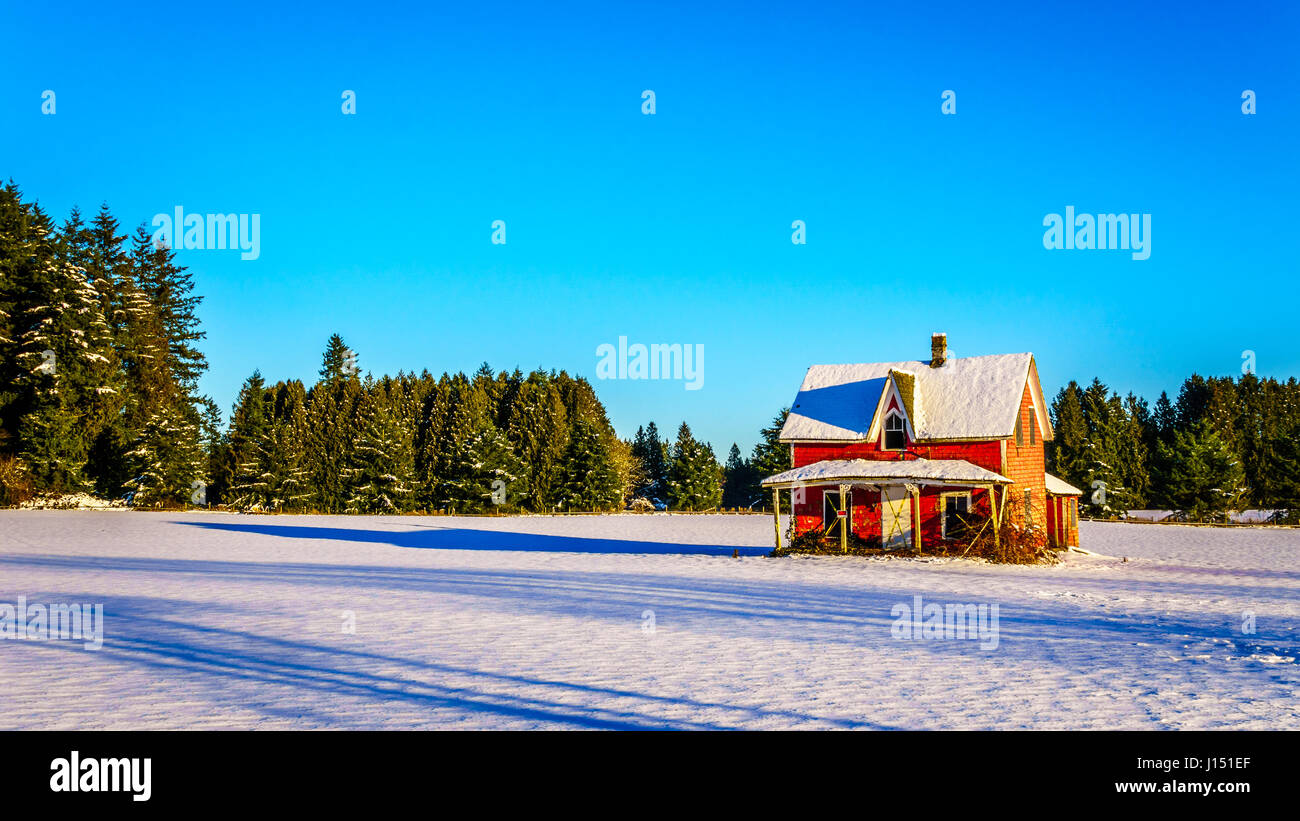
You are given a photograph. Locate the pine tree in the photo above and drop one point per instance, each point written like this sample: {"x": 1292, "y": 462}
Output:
{"x": 1113, "y": 459}
{"x": 281, "y": 450}
{"x": 484, "y": 474}
{"x": 169, "y": 289}
{"x": 1160, "y": 433}
{"x": 1206, "y": 478}
{"x": 66, "y": 380}
{"x": 1282, "y": 465}
{"x": 537, "y": 428}
{"x": 653, "y": 454}
{"x": 162, "y": 369}
{"x": 737, "y": 489}
{"x": 331, "y": 415}
{"x": 770, "y": 457}
{"x": 694, "y": 477}
{"x": 381, "y": 467}
{"x": 591, "y": 480}
{"x": 250, "y": 422}
{"x": 338, "y": 362}
{"x": 169, "y": 461}
{"x": 216, "y": 448}
{"x": 1067, "y": 451}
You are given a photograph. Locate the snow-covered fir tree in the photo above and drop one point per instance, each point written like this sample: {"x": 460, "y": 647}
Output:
{"x": 168, "y": 460}
{"x": 1206, "y": 478}
{"x": 694, "y": 477}
{"x": 653, "y": 454}
{"x": 591, "y": 478}
{"x": 381, "y": 465}
{"x": 770, "y": 457}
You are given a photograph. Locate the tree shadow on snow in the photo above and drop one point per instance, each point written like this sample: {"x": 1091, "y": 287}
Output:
{"x": 434, "y": 537}
{"x": 344, "y": 683}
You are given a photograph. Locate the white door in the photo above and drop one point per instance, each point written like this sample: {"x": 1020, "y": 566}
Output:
{"x": 895, "y": 518}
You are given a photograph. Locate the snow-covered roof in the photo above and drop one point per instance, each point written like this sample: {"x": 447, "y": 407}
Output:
{"x": 974, "y": 397}
{"x": 1060, "y": 487}
{"x": 917, "y": 471}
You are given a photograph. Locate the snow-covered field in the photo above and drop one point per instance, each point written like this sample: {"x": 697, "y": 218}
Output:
{"x": 226, "y": 621}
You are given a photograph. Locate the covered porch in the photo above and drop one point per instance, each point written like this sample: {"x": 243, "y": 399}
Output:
{"x": 895, "y": 505}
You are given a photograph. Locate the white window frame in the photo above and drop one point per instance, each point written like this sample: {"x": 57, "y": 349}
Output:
{"x": 943, "y": 509}
{"x": 885, "y": 431}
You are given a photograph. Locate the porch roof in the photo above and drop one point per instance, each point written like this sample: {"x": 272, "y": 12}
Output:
{"x": 1060, "y": 487}
{"x": 869, "y": 471}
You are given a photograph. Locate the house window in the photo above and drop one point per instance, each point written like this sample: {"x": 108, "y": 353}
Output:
{"x": 831, "y": 520}
{"x": 1033, "y": 427}
{"x": 1020, "y": 432}
{"x": 1074, "y": 513}
{"x": 895, "y": 436}
{"x": 956, "y": 509}
{"x": 1029, "y": 508}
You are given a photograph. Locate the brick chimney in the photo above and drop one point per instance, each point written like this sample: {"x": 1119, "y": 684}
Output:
{"x": 938, "y": 350}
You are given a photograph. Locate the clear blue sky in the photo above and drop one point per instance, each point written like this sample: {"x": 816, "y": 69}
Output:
{"x": 676, "y": 227}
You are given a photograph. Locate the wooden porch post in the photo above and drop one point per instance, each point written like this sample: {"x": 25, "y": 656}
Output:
{"x": 916, "y": 518}
{"x": 776, "y": 515}
{"x": 844, "y": 522}
{"x": 993, "y": 502}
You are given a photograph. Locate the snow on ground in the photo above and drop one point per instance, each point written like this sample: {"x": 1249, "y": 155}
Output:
{"x": 228, "y": 621}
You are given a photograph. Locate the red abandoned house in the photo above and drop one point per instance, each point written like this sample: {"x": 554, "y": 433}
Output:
{"x": 909, "y": 454}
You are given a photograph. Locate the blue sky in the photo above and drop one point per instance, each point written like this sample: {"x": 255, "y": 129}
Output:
{"x": 676, "y": 227}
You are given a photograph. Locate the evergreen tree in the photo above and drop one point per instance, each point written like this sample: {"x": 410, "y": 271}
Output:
{"x": 169, "y": 289}
{"x": 537, "y": 428}
{"x": 331, "y": 436}
{"x": 1067, "y": 452}
{"x": 168, "y": 461}
{"x": 1160, "y": 437}
{"x": 737, "y": 490}
{"x": 381, "y": 467}
{"x": 281, "y": 450}
{"x": 66, "y": 376}
{"x": 338, "y": 362}
{"x": 1113, "y": 459}
{"x": 653, "y": 454}
{"x": 485, "y": 475}
{"x": 1206, "y": 478}
{"x": 250, "y": 422}
{"x": 1282, "y": 465}
{"x": 216, "y": 448}
{"x": 694, "y": 477}
{"x": 591, "y": 479}
{"x": 770, "y": 457}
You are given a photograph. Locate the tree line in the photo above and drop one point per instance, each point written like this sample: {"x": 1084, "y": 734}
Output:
{"x": 99, "y": 375}
{"x": 1222, "y": 444}
{"x": 99, "y": 367}
{"x": 99, "y": 372}
{"x": 494, "y": 441}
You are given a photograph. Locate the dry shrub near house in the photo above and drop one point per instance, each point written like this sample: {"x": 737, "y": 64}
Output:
{"x": 15, "y": 484}
{"x": 1016, "y": 541}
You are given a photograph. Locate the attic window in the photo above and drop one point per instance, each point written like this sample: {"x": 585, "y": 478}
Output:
{"x": 1020, "y": 432}
{"x": 1033, "y": 427}
{"x": 895, "y": 437}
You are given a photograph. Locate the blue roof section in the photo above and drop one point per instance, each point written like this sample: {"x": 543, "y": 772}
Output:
{"x": 848, "y": 407}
